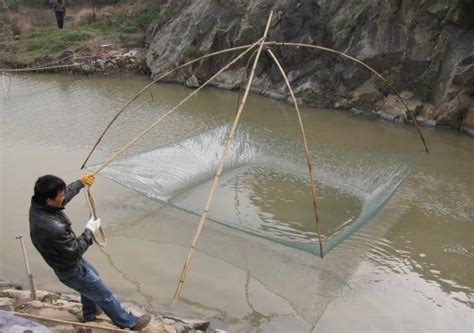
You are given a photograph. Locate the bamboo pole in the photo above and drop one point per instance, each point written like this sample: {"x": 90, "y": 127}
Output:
{"x": 156, "y": 122}
{"x": 387, "y": 82}
{"x": 38, "y": 68}
{"x": 4, "y": 84}
{"x": 161, "y": 77}
{"x": 73, "y": 323}
{"x": 31, "y": 279}
{"x": 9, "y": 86}
{"x": 306, "y": 152}
{"x": 221, "y": 165}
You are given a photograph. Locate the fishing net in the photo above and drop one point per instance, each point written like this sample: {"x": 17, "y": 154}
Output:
{"x": 265, "y": 190}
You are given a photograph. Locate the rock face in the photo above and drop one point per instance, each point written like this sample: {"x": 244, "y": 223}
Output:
{"x": 425, "y": 48}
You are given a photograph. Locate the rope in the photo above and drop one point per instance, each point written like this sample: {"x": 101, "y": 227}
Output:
{"x": 92, "y": 213}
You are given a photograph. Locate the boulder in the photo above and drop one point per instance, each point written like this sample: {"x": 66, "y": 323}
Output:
{"x": 192, "y": 82}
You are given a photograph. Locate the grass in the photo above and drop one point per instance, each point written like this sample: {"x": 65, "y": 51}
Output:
{"x": 50, "y": 42}
{"x": 86, "y": 26}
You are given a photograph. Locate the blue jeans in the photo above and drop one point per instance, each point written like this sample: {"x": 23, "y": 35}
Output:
{"x": 85, "y": 279}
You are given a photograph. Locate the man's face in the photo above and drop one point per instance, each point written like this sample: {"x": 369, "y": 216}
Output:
{"x": 56, "y": 202}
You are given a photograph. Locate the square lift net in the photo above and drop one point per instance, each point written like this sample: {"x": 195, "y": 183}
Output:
{"x": 265, "y": 190}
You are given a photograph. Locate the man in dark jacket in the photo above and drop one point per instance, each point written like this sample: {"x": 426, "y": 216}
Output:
{"x": 53, "y": 237}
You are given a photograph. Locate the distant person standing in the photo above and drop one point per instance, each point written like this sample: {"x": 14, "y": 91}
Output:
{"x": 60, "y": 11}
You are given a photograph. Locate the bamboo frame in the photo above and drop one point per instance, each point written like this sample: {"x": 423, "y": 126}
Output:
{"x": 306, "y": 152}
{"x": 226, "y": 152}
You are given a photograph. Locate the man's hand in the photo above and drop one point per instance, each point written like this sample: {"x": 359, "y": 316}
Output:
{"x": 88, "y": 179}
{"x": 93, "y": 225}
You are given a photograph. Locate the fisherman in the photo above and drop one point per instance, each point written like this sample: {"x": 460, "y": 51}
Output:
{"x": 53, "y": 237}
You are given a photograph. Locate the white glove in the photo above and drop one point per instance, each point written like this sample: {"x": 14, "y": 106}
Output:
{"x": 93, "y": 225}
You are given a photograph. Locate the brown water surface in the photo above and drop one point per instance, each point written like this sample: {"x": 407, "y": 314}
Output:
{"x": 410, "y": 269}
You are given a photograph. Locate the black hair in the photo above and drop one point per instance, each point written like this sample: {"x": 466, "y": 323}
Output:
{"x": 48, "y": 187}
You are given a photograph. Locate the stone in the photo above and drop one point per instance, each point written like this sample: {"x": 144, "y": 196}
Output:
{"x": 110, "y": 66}
{"x": 192, "y": 82}
{"x": 342, "y": 103}
{"x": 10, "y": 285}
{"x": 63, "y": 329}
{"x": 423, "y": 121}
{"x": 100, "y": 64}
{"x": 169, "y": 329}
{"x": 20, "y": 296}
{"x": 468, "y": 123}
{"x": 366, "y": 94}
{"x": 356, "y": 112}
{"x": 190, "y": 323}
{"x": 428, "y": 111}
{"x": 7, "y": 304}
{"x": 86, "y": 69}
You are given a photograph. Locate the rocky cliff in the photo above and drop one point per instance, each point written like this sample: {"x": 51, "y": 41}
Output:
{"x": 425, "y": 47}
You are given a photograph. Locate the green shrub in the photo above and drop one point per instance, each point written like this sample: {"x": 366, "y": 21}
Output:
{"x": 193, "y": 52}
{"x": 145, "y": 17}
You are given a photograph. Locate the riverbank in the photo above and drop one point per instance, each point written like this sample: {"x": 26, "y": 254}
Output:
{"x": 62, "y": 313}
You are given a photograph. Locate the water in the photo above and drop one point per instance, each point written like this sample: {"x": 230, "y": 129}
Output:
{"x": 409, "y": 269}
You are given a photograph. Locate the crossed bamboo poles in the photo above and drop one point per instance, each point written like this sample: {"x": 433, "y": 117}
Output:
{"x": 260, "y": 45}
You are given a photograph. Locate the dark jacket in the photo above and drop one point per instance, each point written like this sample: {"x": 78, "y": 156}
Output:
{"x": 52, "y": 235}
{"x": 59, "y": 8}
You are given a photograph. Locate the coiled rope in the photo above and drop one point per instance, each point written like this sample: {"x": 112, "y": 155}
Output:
{"x": 92, "y": 213}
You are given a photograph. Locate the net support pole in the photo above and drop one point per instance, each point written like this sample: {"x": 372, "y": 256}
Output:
{"x": 306, "y": 152}
{"x": 226, "y": 152}
{"x": 4, "y": 85}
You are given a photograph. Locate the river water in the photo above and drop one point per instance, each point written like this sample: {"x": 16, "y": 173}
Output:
{"x": 409, "y": 269}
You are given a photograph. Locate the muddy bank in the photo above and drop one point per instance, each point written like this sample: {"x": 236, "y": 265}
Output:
{"x": 67, "y": 307}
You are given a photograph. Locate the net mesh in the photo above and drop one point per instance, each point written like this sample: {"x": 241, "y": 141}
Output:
{"x": 264, "y": 189}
